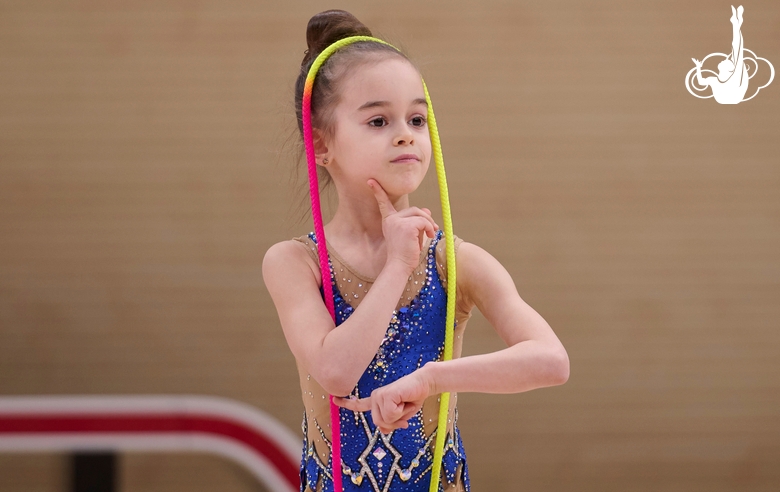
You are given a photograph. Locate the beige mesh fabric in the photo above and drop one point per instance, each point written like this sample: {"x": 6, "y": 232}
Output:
{"x": 353, "y": 287}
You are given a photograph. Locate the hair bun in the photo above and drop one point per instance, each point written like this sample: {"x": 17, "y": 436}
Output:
{"x": 328, "y": 27}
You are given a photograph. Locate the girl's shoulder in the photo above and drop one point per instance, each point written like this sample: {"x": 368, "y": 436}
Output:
{"x": 479, "y": 273}
{"x": 296, "y": 248}
{"x": 292, "y": 254}
{"x": 480, "y": 276}
{"x": 464, "y": 303}
{"x": 441, "y": 256}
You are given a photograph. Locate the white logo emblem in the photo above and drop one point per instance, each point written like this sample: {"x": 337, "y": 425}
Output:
{"x": 730, "y": 84}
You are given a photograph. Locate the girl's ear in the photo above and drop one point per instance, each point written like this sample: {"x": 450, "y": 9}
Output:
{"x": 320, "y": 146}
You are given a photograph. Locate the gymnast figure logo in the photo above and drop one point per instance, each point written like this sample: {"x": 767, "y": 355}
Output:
{"x": 730, "y": 84}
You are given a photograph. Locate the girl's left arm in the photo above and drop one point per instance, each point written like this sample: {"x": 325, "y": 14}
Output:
{"x": 534, "y": 357}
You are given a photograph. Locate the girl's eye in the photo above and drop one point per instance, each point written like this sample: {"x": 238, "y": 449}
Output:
{"x": 418, "y": 121}
{"x": 377, "y": 122}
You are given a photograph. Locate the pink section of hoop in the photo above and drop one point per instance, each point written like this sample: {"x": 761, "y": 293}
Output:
{"x": 327, "y": 288}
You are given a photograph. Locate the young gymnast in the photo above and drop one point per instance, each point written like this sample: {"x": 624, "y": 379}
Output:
{"x": 383, "y": 333}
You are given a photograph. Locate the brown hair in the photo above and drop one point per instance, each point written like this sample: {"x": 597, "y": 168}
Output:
{"x": 323, "y": 30}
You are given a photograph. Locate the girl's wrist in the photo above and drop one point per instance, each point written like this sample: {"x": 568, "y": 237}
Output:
{"x": 428, "y": 375}
{"x": 397, "y": 268}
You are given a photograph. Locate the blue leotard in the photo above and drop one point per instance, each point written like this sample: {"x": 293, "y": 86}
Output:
{"x": 399, "y": 461}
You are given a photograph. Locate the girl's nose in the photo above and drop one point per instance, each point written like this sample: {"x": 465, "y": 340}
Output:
{"x": 403, "y": 139}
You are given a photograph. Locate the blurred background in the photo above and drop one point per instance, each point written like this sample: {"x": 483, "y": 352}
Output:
{"x": 147, "y": 162}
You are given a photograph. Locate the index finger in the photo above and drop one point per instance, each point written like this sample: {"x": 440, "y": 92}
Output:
{"x": 385, "y": 205}
{"x": 354, "y": 404}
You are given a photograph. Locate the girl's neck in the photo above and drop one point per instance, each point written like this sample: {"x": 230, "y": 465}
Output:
{"x": 358, "y": 222}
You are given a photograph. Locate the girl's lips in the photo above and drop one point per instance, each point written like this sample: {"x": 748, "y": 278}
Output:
{"x": 406, "y": 158}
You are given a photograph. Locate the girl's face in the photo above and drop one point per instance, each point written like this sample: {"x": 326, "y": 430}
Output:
{"x": 380, "y": 130}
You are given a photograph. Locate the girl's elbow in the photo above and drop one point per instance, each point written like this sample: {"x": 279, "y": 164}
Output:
{"x": 335, "y": 382}
{"x": 559, "y": 367}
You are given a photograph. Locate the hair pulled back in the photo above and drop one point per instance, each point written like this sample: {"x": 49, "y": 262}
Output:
{"x": 323, "y": 30}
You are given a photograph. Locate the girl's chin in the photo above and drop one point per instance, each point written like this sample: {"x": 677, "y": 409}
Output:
{"x": 400, "y": 189}
{"x": 401, "y": 185}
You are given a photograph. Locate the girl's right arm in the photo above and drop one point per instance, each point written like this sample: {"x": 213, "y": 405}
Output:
{"x": 337, "y": 356}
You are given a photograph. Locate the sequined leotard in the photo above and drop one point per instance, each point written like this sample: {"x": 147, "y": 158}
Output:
{"x": 401, "y": 460}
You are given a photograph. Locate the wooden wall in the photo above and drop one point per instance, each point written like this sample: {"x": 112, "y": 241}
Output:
{"x": 145, "y": 170}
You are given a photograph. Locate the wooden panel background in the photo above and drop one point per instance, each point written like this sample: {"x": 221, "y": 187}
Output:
{"x": 145, "y": 172}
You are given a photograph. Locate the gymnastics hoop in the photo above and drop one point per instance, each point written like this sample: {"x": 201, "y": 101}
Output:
{"x": 327, "y": 287}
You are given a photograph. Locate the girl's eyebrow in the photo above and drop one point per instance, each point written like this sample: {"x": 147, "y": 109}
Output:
{"x": 379, "y": 104}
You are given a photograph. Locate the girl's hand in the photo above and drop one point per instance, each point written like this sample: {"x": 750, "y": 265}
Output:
{"x": 393, "y": 405}
{"x": 404, "y": 231}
